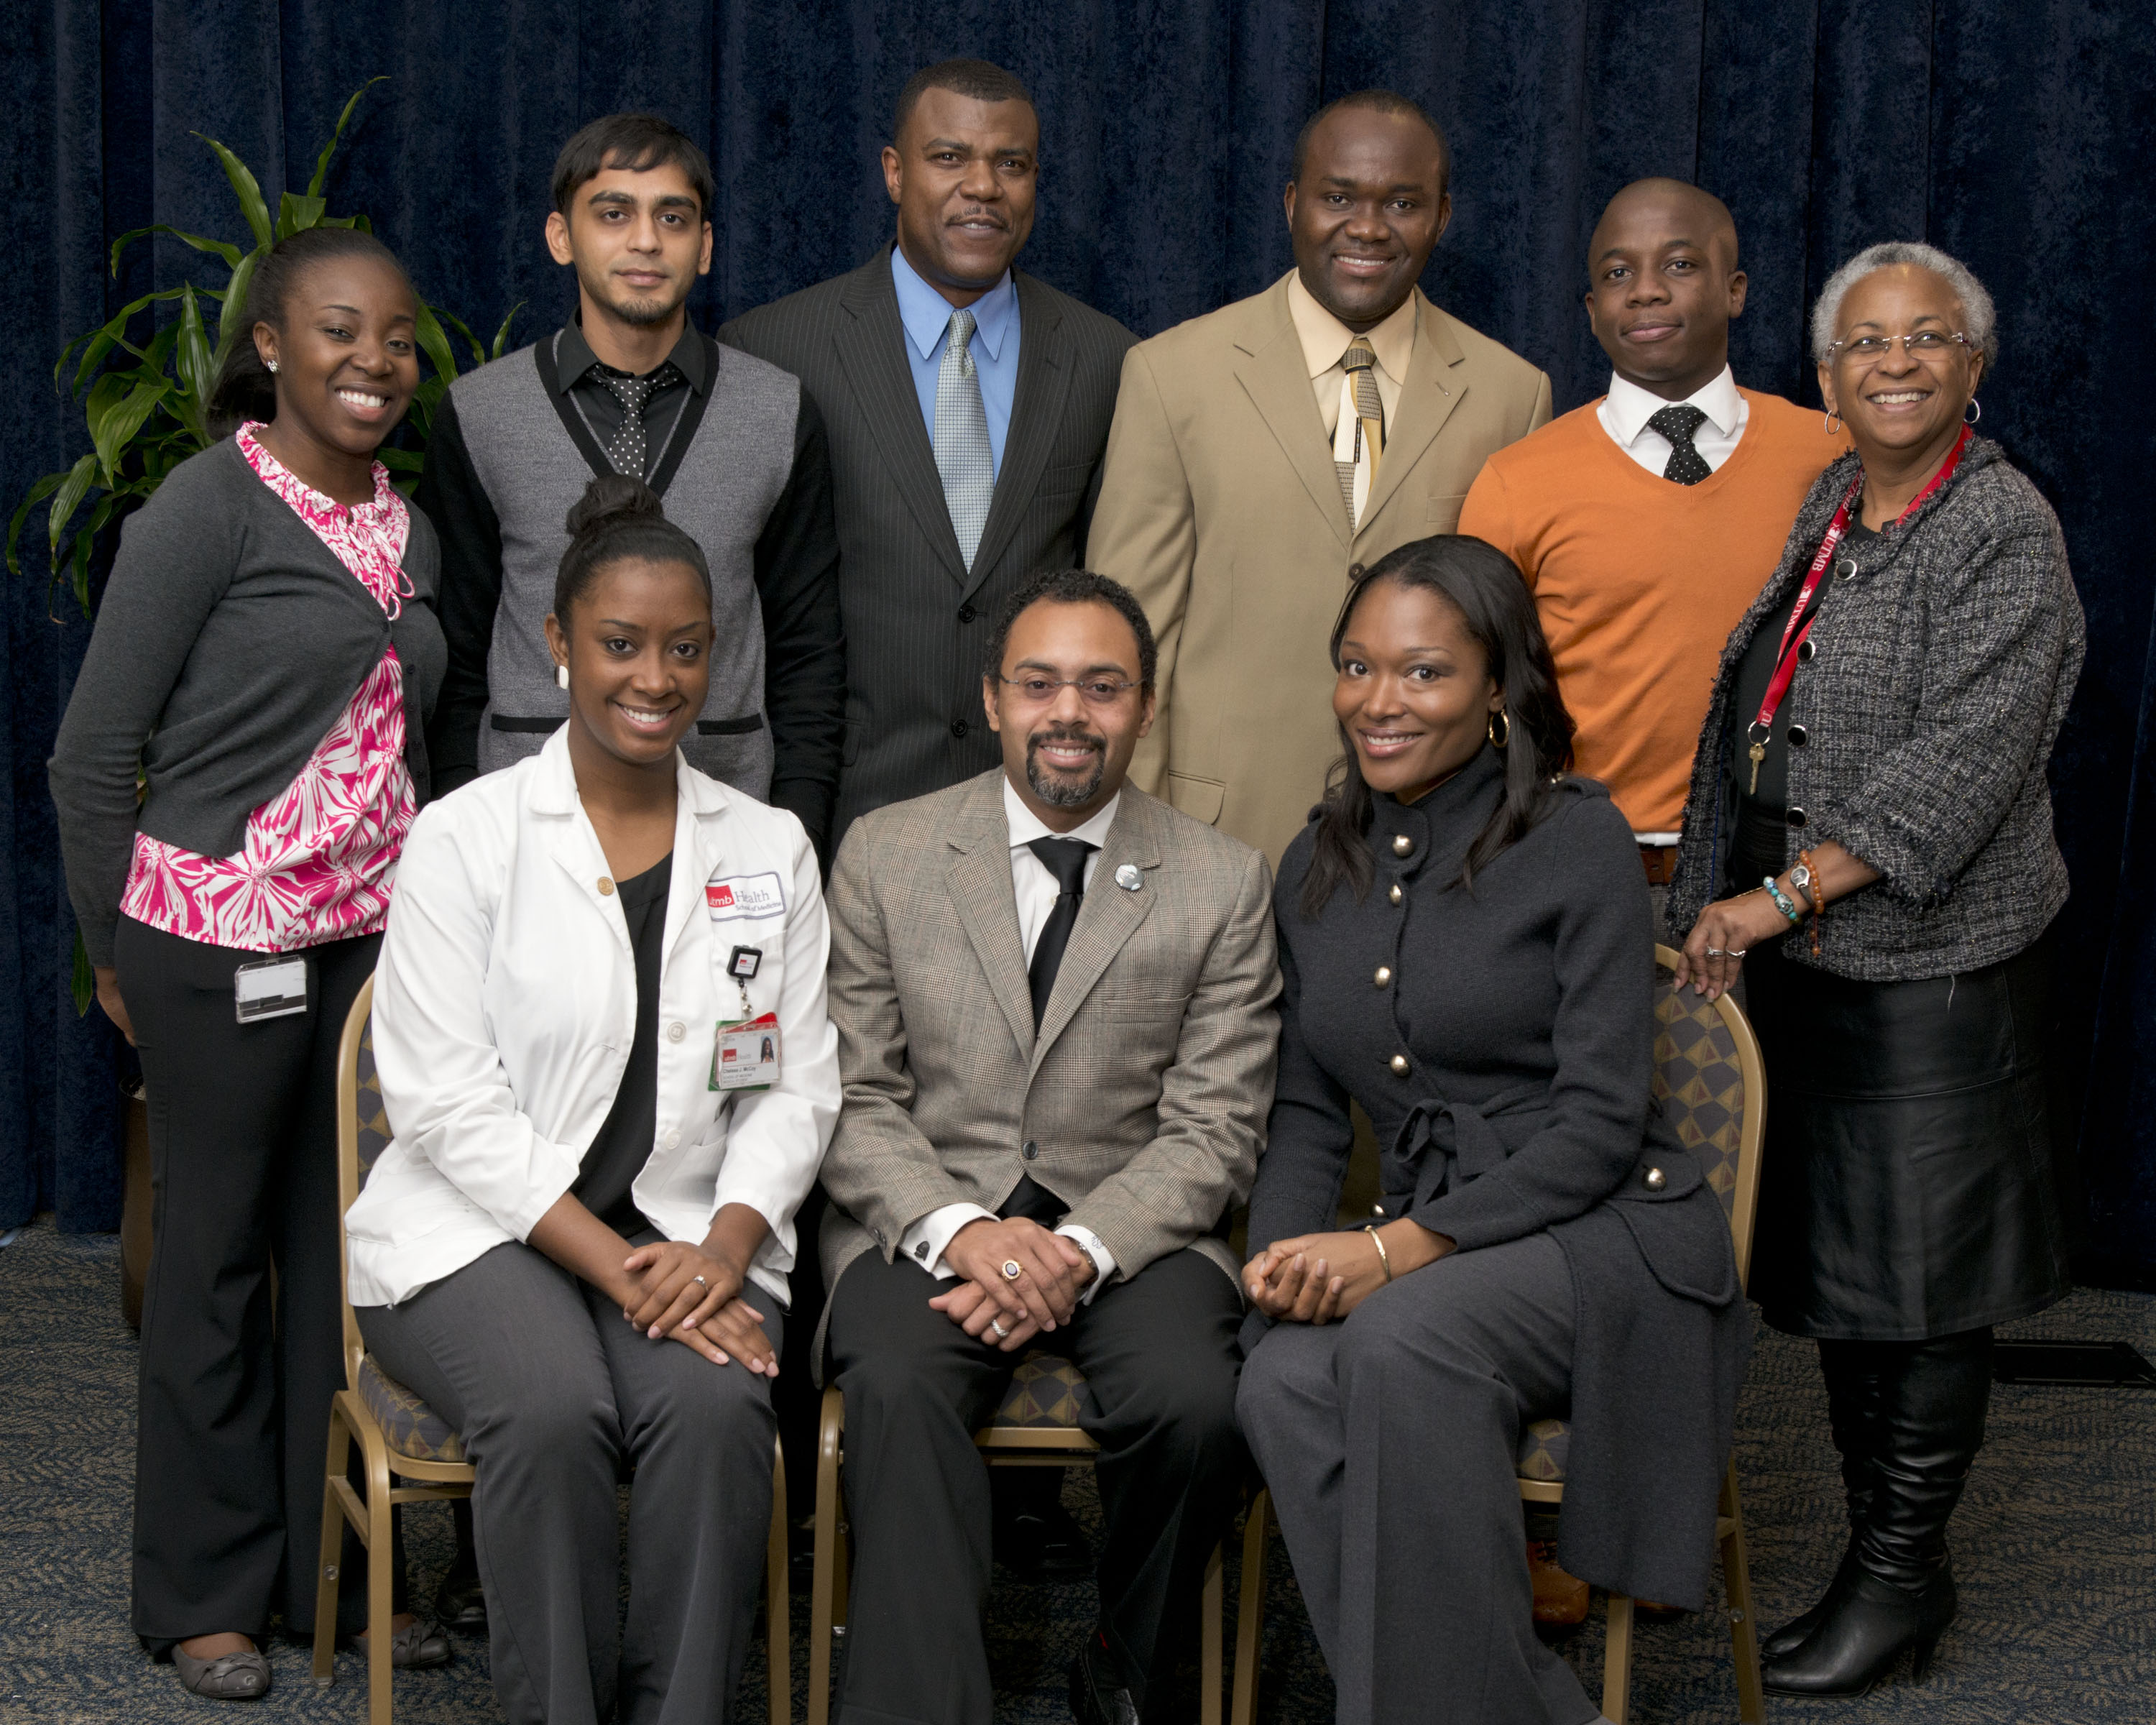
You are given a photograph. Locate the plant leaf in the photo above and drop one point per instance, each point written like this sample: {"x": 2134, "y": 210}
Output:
{"x": 322, "y": 161}
{"x": 464, "y": 329}
{"x": 111, "y": 334}
{"x": 32, "y": 498}
{"x": 501, "y": 335}
{"x": 234, "y": 314}
{"x": 215, "y": 248}
{"x": 428, "y": 329}
{"x": 399, "y": 460}
{"x": 247, "y": 189}
{"x": 67, "y": 499}
{"x": 83, "y": 984}
{"x": 196, "y": 372}
{"x": 113, "y": 421}
{"x": 295, "y": 214}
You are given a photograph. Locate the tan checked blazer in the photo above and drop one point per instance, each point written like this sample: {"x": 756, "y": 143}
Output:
{"x": 1144, "y": 1096}
{"x": 1220, "y": 509}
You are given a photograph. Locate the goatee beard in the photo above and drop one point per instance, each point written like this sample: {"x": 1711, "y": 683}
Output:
{"x": 1060, "y": 793}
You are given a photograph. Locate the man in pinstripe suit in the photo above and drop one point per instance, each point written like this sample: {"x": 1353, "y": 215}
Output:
{"x": 959, "y": 468}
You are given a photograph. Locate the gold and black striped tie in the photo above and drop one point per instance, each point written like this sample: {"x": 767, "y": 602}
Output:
{"x": 1359, "y": 439}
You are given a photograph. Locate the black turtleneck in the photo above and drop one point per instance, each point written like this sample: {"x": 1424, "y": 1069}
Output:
{"x": 1519, "y": 1012}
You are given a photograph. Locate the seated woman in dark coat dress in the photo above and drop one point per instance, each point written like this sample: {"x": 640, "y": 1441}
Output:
{"x": 1465, "y": 947}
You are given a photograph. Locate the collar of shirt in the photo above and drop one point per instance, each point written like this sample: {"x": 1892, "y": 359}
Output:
{"x": 573, "y": 357}
{"x": 1032, "y": 886}
{"x": 1325, "y": 338}
{"x": 926, "y": 314}
{"x": 1627, "y": 409}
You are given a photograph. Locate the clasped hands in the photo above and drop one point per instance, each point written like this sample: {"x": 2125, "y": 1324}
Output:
{"x": 1315, "y": 1278}
{"x": 666, "y": 1301}
{"x": 1053, "y": 1271}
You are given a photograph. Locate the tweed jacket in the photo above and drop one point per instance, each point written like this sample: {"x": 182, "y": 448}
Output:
{"x": 916, "y": 618}
{"x": 1141, "y": 1101}
{"x": 1220, "y": 509}
{"x": 1946, "y": 653}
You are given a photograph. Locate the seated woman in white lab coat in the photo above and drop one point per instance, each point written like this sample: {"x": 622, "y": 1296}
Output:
{"x": 599, "y": 1021}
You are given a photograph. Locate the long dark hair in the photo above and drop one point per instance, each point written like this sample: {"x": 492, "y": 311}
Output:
{"x": 1479, "y": 581}
{"x": 244, "y": 390}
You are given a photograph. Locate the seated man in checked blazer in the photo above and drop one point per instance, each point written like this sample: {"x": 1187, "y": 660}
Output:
{"x": 1055, "y": 1000}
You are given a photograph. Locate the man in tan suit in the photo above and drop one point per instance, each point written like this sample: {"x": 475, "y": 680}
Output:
{"x": 1057, "y": 1029}
{"x": 1263, "y": 455}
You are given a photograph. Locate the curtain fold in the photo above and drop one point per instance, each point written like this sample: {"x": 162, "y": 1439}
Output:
{"x": 2015, "y": 133}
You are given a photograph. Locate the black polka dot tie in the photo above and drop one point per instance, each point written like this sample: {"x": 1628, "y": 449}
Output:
{"x": 1678, "y": 422}
{"x": 627, "y": 450}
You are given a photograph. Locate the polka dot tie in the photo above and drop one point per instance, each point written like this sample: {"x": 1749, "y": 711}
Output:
{"x": 1678, "y": 422}
{"x": 627, "y": 450}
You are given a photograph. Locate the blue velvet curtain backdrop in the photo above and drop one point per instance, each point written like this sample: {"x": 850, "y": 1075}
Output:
{"x": 2015, "y": 133}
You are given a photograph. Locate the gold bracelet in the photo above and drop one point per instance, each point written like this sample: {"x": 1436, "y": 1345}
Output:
{"x": 1377, "y": 1239}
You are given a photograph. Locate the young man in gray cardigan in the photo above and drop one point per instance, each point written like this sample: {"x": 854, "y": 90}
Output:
{"x": 733, "y": 445}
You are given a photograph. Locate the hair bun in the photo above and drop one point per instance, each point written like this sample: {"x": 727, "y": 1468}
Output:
{"x": 612, "y": 498}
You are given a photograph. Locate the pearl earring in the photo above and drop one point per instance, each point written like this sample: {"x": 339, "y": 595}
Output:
{"x": 562, "y": 676}
{"x": 273, "y": 367}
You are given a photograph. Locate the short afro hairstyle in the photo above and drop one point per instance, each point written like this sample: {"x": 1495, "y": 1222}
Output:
{"x": 1072, "y": 587}
{"x": 1379, "y": 101}
{"x": 983, "y": 80}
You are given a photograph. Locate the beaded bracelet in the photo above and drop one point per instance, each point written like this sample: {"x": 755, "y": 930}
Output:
{"x": 1783, "y": 901}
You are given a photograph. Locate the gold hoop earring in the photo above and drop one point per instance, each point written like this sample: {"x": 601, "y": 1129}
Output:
{"x": 1833, "y": 423}
{"x": 1490, "y": 729}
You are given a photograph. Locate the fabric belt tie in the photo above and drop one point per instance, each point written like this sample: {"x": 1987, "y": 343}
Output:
{"x": 1440, "y": 1137}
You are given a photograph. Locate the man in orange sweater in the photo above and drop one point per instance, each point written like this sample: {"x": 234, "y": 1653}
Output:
{"x": 1647, "y": 522}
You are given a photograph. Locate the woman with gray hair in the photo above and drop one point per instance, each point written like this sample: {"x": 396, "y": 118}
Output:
{"x": 1869, "y": 836}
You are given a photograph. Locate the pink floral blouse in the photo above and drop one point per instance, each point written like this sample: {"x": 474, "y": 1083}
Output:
{"x": 315, "y": 863}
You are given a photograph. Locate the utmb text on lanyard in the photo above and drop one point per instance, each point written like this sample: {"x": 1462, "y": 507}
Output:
{"x": 1805, "y": 613}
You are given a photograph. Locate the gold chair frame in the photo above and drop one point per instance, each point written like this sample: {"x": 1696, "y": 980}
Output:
{"x": 1001, "y": 1446}
{"x": 1729, "y": 1515}
{"x": 351, "y": 1421}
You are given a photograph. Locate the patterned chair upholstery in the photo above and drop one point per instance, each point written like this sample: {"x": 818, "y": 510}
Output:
{"x": 1699, "y": 1085}
{"x": 411, "y": 1428}
{"x": 1047, "y": 1393}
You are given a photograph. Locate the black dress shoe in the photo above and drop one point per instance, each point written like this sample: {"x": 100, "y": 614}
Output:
{"x": 1792, "y": 1634}
{"x": 1042, "y": 1543}
{"x": 1096, "y": 1698}
{"x": 1865, "y": 1626}
{"x": 460, "y": 1603}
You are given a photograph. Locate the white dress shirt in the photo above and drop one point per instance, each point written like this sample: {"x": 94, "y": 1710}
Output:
{"x": 1036, "y": 891}
{"x": 1625, "y": 410}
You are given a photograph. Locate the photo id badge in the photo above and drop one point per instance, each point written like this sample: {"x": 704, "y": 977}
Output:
{"x": 747, "y": 1054}
{"x": 272, "y": 989}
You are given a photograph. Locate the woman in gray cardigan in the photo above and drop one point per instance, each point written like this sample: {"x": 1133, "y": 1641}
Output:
{"x": 266, "y": 655}
{"x": 1467, "y": 954}
{"x": 1869, "y": 835}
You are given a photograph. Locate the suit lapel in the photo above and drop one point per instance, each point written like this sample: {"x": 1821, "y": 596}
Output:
{"x": 1273, "y": 373}
{"x": 1043, "y": 380}
{"x": 1107, "y": 919}
{"x": 1432, "y": 390}
{"x": 978, "y": 867}
{"x": 871, "y": 344}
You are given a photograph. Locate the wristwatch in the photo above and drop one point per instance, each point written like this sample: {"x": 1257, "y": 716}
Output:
{"x": 1800, "y": 877}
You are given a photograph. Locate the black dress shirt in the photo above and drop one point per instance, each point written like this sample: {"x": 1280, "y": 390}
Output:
{"x": 583, "y": 375}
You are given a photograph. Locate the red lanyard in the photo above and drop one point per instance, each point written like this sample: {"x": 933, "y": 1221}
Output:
{"x": 1793, "y": 636}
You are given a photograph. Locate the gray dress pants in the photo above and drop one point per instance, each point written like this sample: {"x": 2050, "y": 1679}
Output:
{"x": 555, "y": 1397}
{"x": 1388, "y": 1441}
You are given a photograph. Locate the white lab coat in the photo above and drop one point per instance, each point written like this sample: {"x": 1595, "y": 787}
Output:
{"x": 504, "y": 1004}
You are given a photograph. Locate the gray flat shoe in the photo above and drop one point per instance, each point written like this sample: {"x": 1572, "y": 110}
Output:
{"x": 420, "y": 1645}
{"x": 230, "y": 1676}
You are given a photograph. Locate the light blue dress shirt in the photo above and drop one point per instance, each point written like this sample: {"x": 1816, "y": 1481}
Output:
{"x": 926, "y": 315}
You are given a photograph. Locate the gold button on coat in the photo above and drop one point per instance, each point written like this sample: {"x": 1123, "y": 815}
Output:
{"x": 1403, "y": 844}
{"x": 1384, "y": 975}
{"x": 606, "y": 887}
{"x": 1399, "y": 1065}
{"x": 1395, "y": 895}
{"x": 1654, "y": 1179}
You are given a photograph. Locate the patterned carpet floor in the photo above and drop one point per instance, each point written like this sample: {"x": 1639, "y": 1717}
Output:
{"x": 2054, "y": 1546}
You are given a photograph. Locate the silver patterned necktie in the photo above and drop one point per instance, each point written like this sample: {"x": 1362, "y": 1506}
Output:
{"x": 627, "y": 450}
{"x": 962, "y": 455}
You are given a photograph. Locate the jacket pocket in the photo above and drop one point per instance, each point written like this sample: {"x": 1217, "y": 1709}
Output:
{"x": 1442, "y": 514}
{"x": 1197, "y": 798}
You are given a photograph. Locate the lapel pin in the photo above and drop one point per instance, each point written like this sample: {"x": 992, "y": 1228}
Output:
{"x": 1128, "y": 878}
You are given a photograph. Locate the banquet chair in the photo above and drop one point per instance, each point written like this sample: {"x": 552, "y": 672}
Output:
{"x": 399, "y": 1435}
{"x": 1712, "y": 1088}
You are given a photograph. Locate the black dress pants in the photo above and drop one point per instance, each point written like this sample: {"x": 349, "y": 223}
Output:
{"x": 235, "y": 1389}
{"x": 1159, "y": 1356}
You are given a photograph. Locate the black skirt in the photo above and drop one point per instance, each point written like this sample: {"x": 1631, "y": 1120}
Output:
{"x": 1907, "y": 1191}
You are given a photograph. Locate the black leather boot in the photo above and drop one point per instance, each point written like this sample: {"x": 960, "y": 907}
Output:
{"x": 1852, "y": 1372}
{"x": 1898, "y": 1593}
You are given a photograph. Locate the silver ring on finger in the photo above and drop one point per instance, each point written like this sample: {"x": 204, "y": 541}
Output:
{"x": 699, "y": 1281}
{"x": 1002, "y": 1334}
{"x": 1715, "y": 953}
{"x": 1013, "y": 1270}
{"x": 1737, "y": 952}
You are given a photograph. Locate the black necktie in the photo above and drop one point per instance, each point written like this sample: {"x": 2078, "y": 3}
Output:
{"x": 1065, "y": 859}
{"x": 1687, "y": 465}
